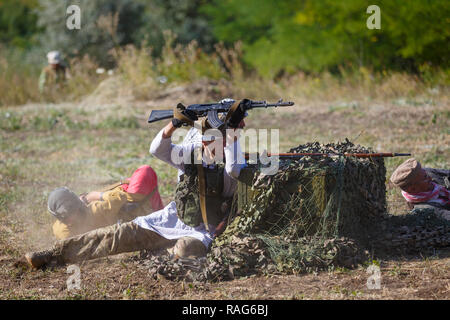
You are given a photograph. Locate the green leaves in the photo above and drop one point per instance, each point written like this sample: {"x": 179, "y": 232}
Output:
{"x": 286, "y": 36}
{"x": 18, "y": 22}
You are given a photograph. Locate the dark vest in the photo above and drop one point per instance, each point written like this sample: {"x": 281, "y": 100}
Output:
{"x": 187, "y": 197}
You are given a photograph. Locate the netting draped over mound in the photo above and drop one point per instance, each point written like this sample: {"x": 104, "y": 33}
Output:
{"x": 310, "y": 213}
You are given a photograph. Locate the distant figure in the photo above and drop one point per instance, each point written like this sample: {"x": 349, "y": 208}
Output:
{"x": 123, "y": 201}
{"x": 54, "y": 75}
{"x": 424, "y": 188}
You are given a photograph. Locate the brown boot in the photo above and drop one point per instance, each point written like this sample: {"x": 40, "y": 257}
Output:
{"x": 39, "y": 259}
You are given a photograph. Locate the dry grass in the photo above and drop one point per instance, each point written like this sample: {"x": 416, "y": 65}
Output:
{"x": 141, "y": 76}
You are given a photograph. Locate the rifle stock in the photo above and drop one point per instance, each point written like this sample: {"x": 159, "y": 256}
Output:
{"x": 157, "y": 115}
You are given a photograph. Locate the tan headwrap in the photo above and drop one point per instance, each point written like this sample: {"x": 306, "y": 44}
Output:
{"x": 407, "y": 173}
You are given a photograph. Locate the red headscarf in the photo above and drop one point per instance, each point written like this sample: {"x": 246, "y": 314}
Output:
{"x": 439, "y": 195}
{"x": 144, "y": 181}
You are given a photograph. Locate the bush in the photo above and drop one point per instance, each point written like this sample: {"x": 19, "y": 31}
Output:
{"x": 178, "y": 64}
{"x": 18, "y": 80}
{"x": 183, "y": 18}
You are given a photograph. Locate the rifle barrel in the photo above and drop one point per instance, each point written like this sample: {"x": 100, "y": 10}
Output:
{"x": 313, "y": 154}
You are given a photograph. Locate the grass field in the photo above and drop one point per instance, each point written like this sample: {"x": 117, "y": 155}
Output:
{"x": 105, "y": 137}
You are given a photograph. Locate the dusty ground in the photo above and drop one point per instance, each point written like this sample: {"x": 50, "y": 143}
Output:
{"x": 119, "y": 278}
{"x": 89, "y": 144}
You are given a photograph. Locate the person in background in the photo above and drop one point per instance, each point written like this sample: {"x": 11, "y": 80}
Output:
{"x": 54, "y": 75}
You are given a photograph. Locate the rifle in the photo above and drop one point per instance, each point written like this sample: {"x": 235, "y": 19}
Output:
{"x": 307, "y": 154}
{"x": 211, "y": 110}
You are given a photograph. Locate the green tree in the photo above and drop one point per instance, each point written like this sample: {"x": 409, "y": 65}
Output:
{"x": 313, "y": 35}
{"x": 183, "y": 18}
{"x": 18, "y": 22}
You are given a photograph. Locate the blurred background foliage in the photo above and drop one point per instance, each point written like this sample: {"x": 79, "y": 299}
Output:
{"x": 313, "y": 35}
{"x": 274, "y": 38}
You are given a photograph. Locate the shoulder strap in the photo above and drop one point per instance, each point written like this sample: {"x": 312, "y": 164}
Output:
{"x": 111, "y": 186}
{"x": 149, "y": 197}
{"x": 202, "y": 189}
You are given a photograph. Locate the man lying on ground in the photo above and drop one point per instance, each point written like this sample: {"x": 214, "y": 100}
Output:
{"x": 123, "y": 201}
{"x": 424, "y": 187}
{"x": 182, "y": 224}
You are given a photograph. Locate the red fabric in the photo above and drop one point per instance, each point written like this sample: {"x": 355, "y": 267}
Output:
{"x": 143, "y": 181}
{"x": 439, "y": 194}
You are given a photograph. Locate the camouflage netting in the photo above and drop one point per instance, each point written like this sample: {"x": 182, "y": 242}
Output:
{"x": 422, "y": 230}
{"x": 315, "y": 213}
{"x": 249, "y": 255}
{"x": 316, "y": 196}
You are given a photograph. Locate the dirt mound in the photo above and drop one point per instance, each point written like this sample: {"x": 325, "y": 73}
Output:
{"x": 115, "y": 90}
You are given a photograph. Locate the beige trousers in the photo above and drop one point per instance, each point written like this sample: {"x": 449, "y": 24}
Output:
{"x": 115, "y": 239}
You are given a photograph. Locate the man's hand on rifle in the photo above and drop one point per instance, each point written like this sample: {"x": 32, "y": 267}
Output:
{"x": 183, "y": 116}
{"x": 238, "y": 113}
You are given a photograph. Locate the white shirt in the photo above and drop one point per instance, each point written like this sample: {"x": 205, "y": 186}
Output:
{"x": 165, "y": 222}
